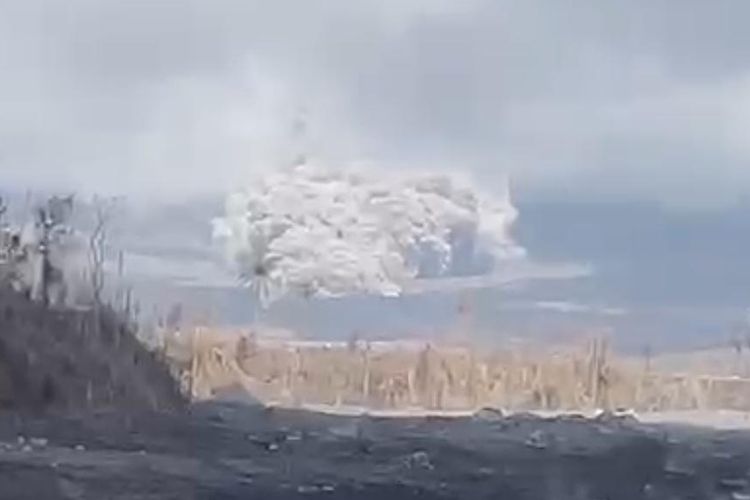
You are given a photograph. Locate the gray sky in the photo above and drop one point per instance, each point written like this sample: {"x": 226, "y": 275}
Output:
{"x": 597, "y": 99}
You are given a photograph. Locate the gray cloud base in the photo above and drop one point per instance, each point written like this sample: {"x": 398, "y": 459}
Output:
{"x": 641, "y": 99}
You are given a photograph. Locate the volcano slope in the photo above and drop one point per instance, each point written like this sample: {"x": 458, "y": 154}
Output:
{"x": 62, "y": 360}
{"x": 88, "y": 413}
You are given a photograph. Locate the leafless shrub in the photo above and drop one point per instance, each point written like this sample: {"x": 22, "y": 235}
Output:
{"x": 103, "y": 211}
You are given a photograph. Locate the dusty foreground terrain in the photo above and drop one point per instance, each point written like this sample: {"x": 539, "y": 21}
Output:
{"x": 227, "y": 450}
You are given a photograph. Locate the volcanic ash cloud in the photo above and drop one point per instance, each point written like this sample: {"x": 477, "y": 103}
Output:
{"x": 314, "y": 231}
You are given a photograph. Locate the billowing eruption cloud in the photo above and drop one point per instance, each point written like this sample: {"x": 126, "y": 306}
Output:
{"x": 319, "y": 232}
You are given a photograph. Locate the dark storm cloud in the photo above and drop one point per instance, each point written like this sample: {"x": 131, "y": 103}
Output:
{"x": 583, "y": 98}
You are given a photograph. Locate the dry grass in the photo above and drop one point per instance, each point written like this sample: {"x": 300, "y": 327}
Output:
{"x": 442, "y": 377}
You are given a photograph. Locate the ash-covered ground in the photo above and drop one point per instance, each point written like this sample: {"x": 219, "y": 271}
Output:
{"x": 235, "y": 451}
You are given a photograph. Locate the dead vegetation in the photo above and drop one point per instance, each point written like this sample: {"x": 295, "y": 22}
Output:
{"x": 67, "y": 351}
{"x": 442, "y": 377}
{"x": 74, "y": 360}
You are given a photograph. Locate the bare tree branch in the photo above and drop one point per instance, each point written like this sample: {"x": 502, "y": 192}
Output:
{"x": 103, "y": 209}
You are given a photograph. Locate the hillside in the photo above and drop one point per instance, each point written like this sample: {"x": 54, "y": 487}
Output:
{"x": 71, "y": 361}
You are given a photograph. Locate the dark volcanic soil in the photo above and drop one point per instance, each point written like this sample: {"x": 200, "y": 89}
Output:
{"x": 231, "y": 451}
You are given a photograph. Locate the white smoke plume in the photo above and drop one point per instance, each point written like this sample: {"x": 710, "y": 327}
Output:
{"x": 320, "y": 232}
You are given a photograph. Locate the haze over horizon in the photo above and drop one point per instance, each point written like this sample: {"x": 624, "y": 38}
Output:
{"x": 583, "y": 100}
{"x": 622, "y": 126}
